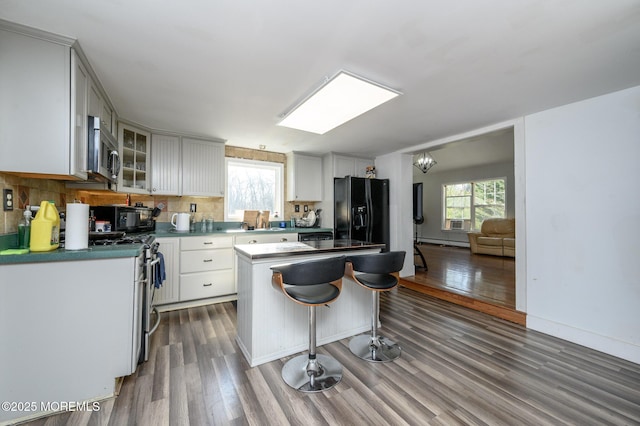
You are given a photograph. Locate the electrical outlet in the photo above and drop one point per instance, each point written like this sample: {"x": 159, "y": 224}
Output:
{"x": 306, "y": 208}
{"x": 297, "y": 208}
{"x": 192, "y": 208}
{"x": 7, "y": 199}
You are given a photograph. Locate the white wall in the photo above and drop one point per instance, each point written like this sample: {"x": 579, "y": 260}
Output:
{"x": 397, "y": 168}
{"x": 582, "y": 218}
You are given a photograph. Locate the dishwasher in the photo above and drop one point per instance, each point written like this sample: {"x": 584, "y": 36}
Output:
{"x": 315, "y": 236}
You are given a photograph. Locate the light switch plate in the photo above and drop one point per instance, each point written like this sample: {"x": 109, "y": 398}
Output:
{"x": 7, "y": 199}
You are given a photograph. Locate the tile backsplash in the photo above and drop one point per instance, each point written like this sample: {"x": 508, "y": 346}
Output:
{"x": 29, "y": 191}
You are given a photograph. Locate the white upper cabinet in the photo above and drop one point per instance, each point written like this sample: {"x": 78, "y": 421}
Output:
{"x": 99, "y": 107}
{"x": 107, "y": 119}
{"x": 186, "y": 166}
{"x": 202, "y": 168}
{"x": 304, "y": 177}
{"x": 95, "y": 101}
{"x": 135, "y": 144}
{"x": 44, "y": 107}
{"x": 166, "y": 165}
{"x": 350, "y": 166}
{"x": 79, "y": 120}
{"x": 42, "y": 104}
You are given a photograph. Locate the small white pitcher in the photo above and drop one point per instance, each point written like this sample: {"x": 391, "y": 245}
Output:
{"x": 181, "y": 224}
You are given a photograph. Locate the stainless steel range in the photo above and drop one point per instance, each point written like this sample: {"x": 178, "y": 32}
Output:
{"x": 150, "y": 264}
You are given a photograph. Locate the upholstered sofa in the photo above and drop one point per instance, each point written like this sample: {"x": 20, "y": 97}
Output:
{"x": 496, "y": 237}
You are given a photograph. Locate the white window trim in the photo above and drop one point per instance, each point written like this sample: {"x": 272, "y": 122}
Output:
{"x": 257, "y": 163}
{"x": 471, "y": 220}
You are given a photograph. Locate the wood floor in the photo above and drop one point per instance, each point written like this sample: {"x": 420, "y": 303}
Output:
{"x": 458, "y": 366}
{"x": 480, "y": 282}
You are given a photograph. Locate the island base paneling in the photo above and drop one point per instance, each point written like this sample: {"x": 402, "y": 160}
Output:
{"x": 271, "y": 327}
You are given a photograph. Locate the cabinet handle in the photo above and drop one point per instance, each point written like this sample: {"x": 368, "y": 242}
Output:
{"x": 207, "y": 285}
{"x": 207, "y": 260}
{"x": 283, "y": 239}
{"x": 207, "y": 243}
{"x": 253, "y": 242}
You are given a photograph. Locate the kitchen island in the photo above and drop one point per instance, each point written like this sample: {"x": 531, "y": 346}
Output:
{"x": 269, "y": 325}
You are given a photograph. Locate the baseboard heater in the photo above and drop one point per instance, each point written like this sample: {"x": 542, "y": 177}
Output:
{"x": 444, "y": 242}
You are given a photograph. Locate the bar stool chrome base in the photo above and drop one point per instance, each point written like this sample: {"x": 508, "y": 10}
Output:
{"x": 308, "y": 375}
{"x": 374, "y": 349}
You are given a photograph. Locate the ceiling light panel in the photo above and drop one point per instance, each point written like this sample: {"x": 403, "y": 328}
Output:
{"x": 342, "y": 98}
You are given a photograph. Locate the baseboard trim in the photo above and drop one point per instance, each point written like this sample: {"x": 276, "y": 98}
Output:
{"x": 468, "y": 302}
{"x": 606, "y": 344}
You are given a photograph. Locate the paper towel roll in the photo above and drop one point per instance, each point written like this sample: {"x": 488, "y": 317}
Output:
{"x": 76, "y": 234}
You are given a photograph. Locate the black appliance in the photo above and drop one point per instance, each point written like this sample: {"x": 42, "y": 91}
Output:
{"x": 103, "y": 159}
{"x": 315, "y": 236}
{"x": 125, "y": 218}
{"x": 361, "y": 210}
{"x": 418, "y": 218}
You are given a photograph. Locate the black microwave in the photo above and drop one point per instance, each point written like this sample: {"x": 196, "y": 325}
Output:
{"x": 125, "y": 218}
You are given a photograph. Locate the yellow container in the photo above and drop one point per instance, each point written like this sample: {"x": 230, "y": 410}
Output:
{"x": 45, "y": 228}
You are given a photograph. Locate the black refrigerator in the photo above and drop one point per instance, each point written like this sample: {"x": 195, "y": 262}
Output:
{"x": 361, "y": 210}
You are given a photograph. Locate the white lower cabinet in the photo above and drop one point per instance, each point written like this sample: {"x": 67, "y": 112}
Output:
{"x": 206, "y": 267}
{"x": 169, "y": 292}
{"x": 67, "y": 326}
{"x": 207, "y": 284}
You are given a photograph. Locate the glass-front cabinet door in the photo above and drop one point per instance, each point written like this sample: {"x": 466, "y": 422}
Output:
{"x": 134, "y": 146}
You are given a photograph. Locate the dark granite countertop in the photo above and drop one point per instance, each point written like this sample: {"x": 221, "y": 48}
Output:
{"x": 274, "y": 250}
{"x": 62, "y": 255}
{"x": 132, "y": 250}
{"x": 160, "y": 233}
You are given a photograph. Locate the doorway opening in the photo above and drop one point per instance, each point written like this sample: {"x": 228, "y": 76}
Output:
{"x": 480, "y": 280}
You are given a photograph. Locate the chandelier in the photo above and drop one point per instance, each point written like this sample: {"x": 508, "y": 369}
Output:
{"x": 424, "y": 162}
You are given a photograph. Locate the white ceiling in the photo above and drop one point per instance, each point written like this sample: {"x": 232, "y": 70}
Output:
{"x": 489, "y": 148}
{"x": 227, "y": 69}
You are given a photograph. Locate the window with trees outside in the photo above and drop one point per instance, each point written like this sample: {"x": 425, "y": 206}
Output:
{"x": 468, "y": 204}
{"x": 253, "y": 185}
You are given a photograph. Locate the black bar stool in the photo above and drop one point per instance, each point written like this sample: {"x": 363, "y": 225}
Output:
{"x": 311, "y": 283}
{"x": 376, "y": 270}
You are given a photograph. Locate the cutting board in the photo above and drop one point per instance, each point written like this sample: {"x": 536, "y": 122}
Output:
{"x": 256, "y": 218}
{"x": 251, "y": 217}
{"x": 263, "y": 219}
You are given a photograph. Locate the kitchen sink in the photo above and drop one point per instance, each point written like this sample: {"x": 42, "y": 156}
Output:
{"x": 259, "y": 230}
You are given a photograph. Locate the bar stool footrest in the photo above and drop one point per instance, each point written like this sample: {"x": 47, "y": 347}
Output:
{"x": 379, "y": 349}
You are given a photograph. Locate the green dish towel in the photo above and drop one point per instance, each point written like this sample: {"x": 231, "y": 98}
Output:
{"x": 14, "y": 251}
